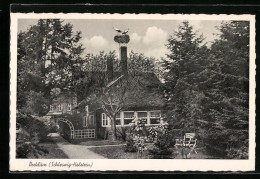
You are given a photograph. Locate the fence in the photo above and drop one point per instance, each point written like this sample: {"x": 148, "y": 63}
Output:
{"x": 84, "y": 133}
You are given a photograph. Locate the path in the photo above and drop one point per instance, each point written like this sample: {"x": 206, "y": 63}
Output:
{"x": 74, "y": 151}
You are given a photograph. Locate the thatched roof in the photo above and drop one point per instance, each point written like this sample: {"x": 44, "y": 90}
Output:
{"x": 145, "y": 90}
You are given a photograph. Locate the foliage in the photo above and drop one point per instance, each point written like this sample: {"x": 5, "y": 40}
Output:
{"x": 162, "y": 142}
{"x": 185, "y": 61}
{"x": 137, "y": 136}
{"x": 207, "y": 88}
{"x": 49, "y": 55}
{"x": 227, "y": 92}
{"x": 122, "y": 39}
{"x": 122, "y": 132}
{"x": 37, "y": 129}
{"x": 241, "y": 153}
{"x": 35, "y": 103}
{"x": 31, "y": 132}
{"x": 30, "y": 150}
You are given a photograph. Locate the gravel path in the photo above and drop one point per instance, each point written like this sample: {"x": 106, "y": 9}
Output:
{"x": 74, "y": 151}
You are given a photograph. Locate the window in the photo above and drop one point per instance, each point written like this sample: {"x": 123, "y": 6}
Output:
{"x": 155, "y": 117}
{"x": 51, "y": 108}
{"x": 59, "y": 107}
{"x": 118, "y": 119}
{"x": 91, "y": 120}
{"x": 128, "y": 117}
{"x": 85, "y": 121}
{"x": 69, "y": 107}
{"x": 105, "y": 120}
{"x": 142, "y": 116}
{"x": 88, "y": 121}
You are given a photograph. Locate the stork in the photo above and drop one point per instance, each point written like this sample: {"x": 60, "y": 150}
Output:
{"x": 118, "y": 30}
{"x": 125, "y": 32}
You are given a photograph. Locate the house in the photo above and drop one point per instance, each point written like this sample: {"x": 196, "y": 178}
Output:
{"x": 63, "y": 104}
{"x": 144, "y": 100}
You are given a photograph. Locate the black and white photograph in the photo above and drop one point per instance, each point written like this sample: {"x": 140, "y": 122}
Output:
{"x": 173, "y": 90}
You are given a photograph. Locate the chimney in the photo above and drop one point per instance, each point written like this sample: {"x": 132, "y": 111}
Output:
{"x": 123, "y": 62}
{"x": 110, "y": 69}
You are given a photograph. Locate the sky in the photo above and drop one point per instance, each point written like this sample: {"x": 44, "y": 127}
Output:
{"x": 146, "y": 36}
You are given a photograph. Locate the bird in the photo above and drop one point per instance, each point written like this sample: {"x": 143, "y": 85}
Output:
{"x": 116, "y": 29}
{"x": 125, "y": 32}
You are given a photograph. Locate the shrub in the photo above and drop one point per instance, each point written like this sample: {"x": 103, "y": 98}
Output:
{"x": 137, "y": 136}
{"x": 162, "y": 142}
{"x": 53, "y": 129}
{"x": 122, "y": 133}
{"x": 37, "y": 130}
{"x": 30, "y": 150}
{"x": 227, "y": 143}
{"x": 130, "y": 146}
{"x": 241, "y": 153}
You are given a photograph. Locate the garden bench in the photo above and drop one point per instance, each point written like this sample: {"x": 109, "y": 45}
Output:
{"x": 188, "y": 142}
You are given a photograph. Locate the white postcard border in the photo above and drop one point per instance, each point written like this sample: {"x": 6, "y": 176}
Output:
{"x": 130, "y": 164}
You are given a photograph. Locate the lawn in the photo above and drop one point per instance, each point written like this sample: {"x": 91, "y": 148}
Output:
{"x": 117, "y": 152}
{"x": 98, "y": 142}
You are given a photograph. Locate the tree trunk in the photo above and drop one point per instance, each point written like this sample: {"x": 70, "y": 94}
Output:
{"x": 113, "y": 128}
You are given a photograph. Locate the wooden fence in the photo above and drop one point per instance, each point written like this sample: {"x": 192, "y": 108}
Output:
{"x": 84, "y": 133}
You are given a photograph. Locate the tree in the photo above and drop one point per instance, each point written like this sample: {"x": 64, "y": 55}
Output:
{"x": 49, "y": 52}
{"x": 36, "y": 104}
{"x": 225, "y": 84}
{"x": 207, "y": 89}
{"x": 185, "y": 61}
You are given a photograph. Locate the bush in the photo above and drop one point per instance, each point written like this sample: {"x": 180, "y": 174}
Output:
{"x": 53, "y": 129}
{"x": 228, "y": 143}
{"x": 241, "y": 153}
{"x": 29, "y": 150}
{"x": 162, "y": 142}
{"x": 37, "y": 130}
{"x": 130, "y": 146}
{"x": 122, "y": 133}
{"x": 137, "y": 136}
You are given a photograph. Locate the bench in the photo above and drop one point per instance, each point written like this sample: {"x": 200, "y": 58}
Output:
{"x": 187, "y": 143}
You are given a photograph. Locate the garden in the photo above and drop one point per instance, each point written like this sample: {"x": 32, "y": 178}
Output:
{"x": 32, "y": 139}
{"x": 143, "y": 142}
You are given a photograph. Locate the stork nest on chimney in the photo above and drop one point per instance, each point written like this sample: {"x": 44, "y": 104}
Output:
{"x": 122, "y": 39}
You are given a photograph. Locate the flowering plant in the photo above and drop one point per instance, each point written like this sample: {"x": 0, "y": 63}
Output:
{"x": 161, "y": 142}
{"x": 137, "y": 137}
